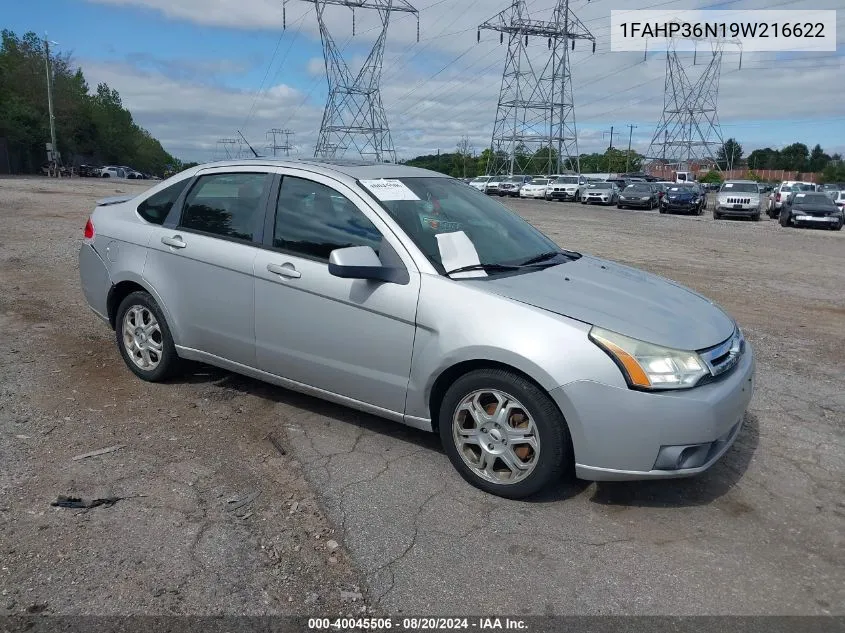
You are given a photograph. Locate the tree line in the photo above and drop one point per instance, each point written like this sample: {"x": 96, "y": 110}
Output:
{"x": 465, "y": 163}
{"x": 91, "y": 127}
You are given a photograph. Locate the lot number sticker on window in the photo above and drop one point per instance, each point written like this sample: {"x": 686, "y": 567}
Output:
{"x": 385, "y": 189}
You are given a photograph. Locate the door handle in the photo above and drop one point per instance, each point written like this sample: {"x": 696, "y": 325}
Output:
{"x": 285, "y": 270}
{"x": 175, "y": 241}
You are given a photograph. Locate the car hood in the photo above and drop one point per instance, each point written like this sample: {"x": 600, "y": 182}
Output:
{"x": 619, "y": 298}
{"x": 685, "y": 195}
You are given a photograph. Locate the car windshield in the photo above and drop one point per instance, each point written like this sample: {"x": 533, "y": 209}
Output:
{"x": 813, "y": 198}
{"x": 567, "y": 180}
{"x": 638, "y": 188}
{"x": 480, "y": 179}
{"x": 539, "y": 181}
{"x": 601, "y": 185}
{"x": 433, "y": 206}
{"x": 739, "y": 187}
{"x": 516, "y": 179}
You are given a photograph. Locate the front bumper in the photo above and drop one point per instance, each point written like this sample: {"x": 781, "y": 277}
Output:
{"x": 743, "y": 211}
{"x": 635, "y": 203}
{"x": 600, "y": 200}
{"x": 532, "y": 194}
{"x": 563, "y": 195}
{"x": 808, "y": 220}
{"x": 680, "y": 207}
{"x": 622, "y": 434}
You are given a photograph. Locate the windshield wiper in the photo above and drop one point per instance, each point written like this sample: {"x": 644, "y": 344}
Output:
{"x": 543, "y": 257}
{"x": 488, "y": 268}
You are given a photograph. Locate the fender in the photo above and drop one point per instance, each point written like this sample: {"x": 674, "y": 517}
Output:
{"x": 127, "y": 275}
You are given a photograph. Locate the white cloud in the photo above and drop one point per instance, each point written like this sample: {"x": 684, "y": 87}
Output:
{"x": 447, "y": 85}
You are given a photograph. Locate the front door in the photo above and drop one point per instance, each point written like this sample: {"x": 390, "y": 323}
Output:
{"x": 201, "y": 262}
{"x": 351, "y": 337}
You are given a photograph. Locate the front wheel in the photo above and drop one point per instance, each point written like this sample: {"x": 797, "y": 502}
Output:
{"x": 784, "y": 220}
{"x": 143, "y": 338}
{"x": 504, "y": 434}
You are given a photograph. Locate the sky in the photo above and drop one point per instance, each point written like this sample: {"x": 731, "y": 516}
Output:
{"x": 193, "y": 72}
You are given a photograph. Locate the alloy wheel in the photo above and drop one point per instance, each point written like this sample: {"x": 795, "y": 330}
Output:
{"x": 142, "y": 337}
{"x": 496, "y": 436}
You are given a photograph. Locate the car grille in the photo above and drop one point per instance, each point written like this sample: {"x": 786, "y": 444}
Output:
{"x": 738, "y": 201}
{"x": 815, "y": 214}
{"x": 724, "y": 357}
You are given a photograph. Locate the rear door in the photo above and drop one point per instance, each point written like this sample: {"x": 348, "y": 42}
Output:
{"x": 201, "y": 260}
{"x": 351, "y": 337}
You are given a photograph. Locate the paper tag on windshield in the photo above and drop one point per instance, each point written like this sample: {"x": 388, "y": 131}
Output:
{"x": 457, "y": 251}
{"x": 729, "y": 185}
{"x": 386, "y": 190}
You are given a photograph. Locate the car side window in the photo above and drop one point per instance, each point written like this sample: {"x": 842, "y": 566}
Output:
{"x": 228, "y": 205}
{"x": 155, "y": 208}
{"x": 313, "y": 220}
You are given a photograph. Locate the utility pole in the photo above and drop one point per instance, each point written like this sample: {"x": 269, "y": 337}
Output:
{"x": 628, "y": 156}
{"x": 611, "y": 137}
{"x": 54, "y": 164}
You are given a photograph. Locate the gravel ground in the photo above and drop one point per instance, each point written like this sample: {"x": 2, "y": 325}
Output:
{"x": 760, "y": 533}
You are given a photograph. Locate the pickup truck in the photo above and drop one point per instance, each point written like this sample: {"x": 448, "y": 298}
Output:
{"x": 781, "y": 194}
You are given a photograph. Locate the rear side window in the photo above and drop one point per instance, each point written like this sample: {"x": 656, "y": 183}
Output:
{"x": 228, "y": 205}
{"x": 155, "y": 208}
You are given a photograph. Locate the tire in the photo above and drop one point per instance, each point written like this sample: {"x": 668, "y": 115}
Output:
{"x": 141, "y": 305}
{"x": 716, "y": 215}
{"x": 620, "y": 206}
{"x": 755, "y": 217}
{"x": 106, "y": 176}
{"x": 784, "y": 220}
{"x": 662, "y": 210}
{"x": 838, "y": 227}
{"x": 550, "y": 432}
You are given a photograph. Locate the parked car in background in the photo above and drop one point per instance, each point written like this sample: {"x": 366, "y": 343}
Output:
{"x": 620, "y": 183}
{"x": 492, "y": 187}
{"x": 641, "y": 195}
{"x": 601, "y": 193}
{"x": 781, "y": 194}
{"x": 480, "y": 183}
{"x": 686, "y": 198}
{"x": 839, "y": 199}
{"x": 738, "y": 199}
{"x": 537, "y": 188}
{"x": 828, "y": 188}
{"x": 812, "y": 209}
{"x": 567, "y": 188}
{"x": 385, "y": 288}
{"x": 511, "y": 185}
{"x": 111, "y": 171}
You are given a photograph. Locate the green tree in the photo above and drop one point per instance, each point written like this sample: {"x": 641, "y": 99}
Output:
{"x": 89, "y": 127}
{"x": 794, "y": 157}
{"x": 729, "y": 154}
{"x": 712, "y": 177}
{"x": 818, "y": 159}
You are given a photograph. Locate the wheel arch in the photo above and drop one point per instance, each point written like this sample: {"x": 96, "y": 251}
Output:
{"x": 450, "y": 374}
{"x": 123, "y": 288}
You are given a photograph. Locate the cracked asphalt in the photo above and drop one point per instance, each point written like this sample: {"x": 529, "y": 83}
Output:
{"x": 760, "y": 533}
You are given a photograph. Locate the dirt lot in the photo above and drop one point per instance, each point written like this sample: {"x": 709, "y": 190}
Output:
{"x": 760, "y": 533}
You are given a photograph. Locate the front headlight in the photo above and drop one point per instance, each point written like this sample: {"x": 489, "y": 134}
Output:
{"x": 648, "y": 366}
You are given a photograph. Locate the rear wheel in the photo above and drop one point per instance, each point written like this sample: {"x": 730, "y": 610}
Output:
{"x": 504, "y": 434}
{"x": 143, "y": 338}
{"x": 785, "y": 220}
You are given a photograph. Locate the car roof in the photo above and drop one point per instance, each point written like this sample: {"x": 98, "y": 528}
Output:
{"x": 358, "y": 169}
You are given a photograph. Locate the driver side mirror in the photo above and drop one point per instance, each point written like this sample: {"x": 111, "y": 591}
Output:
{"x": 361, "y": 262}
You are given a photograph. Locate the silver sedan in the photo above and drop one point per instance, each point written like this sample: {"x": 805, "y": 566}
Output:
{"x": 409, "y": 295}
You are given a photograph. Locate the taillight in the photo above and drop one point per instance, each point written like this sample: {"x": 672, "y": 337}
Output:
{"x": 89, "y": 230}
{"x": 777, "y": 197}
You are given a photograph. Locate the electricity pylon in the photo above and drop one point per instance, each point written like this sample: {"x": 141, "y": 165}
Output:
{"x": 275, "y": 145}
{"x": 689, "y": 131}
{"x": 354, "y": 117}
{"x": 535, "y": 117}
{"x": 227, "y": 146}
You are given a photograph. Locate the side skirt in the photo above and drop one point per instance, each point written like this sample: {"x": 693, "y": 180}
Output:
{"x": 210, "y": 359}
